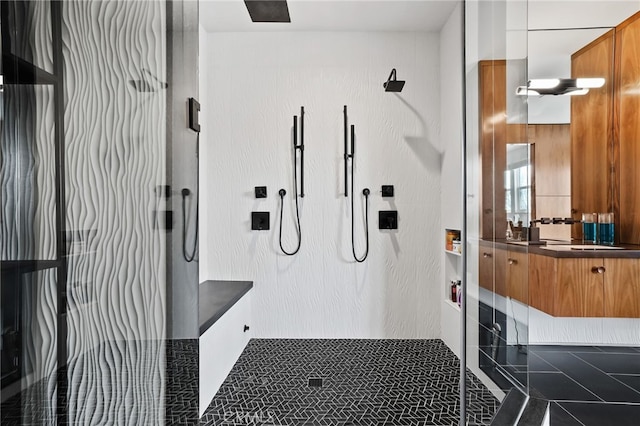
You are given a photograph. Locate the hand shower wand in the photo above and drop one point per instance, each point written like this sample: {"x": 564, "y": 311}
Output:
{"x": 301, "y": 148}
{"x": 365, "y": 191}
{"x": 282, "y": 192}
{"x": 194, "y": 125}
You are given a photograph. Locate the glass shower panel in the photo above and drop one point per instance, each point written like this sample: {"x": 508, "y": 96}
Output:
{"x": 115, "y": 156}
{"x": 84, "y": 236}
{"x": 499, "y": 194}
{"x": 28, "y": 237}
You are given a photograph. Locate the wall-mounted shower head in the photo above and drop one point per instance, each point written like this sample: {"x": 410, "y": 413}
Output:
{"x": 393, "y": 85}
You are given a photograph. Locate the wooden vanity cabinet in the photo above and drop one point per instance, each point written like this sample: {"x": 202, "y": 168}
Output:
{"x": 579, "y": 289}
{"x": 504, "y": 272}
{"x": 622, "y": 288}
{"x": 585, "y": 287}
{"x": 517, "y": 276}
{"x": 486, "y": 267}
{"x": 569, "y": 287}
{"x": 542, "y": 275}
{"x": 492, "y": 266}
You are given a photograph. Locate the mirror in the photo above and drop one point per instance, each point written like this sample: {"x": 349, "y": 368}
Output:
{"x": 563, "y": 176}
{"x": 517, "y": 184}
{"x": 549, "y": 117}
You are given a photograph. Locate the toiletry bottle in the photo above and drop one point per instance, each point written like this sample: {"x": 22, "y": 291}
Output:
{"x": 454, "y": 296}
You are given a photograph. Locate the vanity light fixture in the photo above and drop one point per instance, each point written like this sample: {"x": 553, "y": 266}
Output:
{"x": 590, "y": 83}
{"x": 543, "y": 83}
{"x": 559, "y": 86}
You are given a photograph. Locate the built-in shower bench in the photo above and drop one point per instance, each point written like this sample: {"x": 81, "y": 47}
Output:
{"x": 216, "y": 298}
{"x": 224, "y": 315}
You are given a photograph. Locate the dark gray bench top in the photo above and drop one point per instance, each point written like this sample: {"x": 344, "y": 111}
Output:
{"x": 216, "y": 298}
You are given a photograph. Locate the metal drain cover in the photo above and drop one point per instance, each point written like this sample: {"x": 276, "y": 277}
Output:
{"x": 315, "y": 382}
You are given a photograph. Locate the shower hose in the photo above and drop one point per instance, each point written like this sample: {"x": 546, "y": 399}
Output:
{"x": 365, "y": 192}
{"x": 282, "y": 193}
{"x": 189, "y": 257}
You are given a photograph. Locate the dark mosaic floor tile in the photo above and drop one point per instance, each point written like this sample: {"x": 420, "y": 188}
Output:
{"x": 365, "y": 382}
{"x": 116, "y": 383}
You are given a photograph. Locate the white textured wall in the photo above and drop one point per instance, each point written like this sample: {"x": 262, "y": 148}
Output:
{"x": 115, "y": 143}
{"x": 115, "y": 157}
{"x": 251, "y": 85}
{"x": 451, "y": 73}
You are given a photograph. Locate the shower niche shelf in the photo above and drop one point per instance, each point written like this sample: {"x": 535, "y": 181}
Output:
{"x": 452, "y": 243}
{"x": 452, "y": 264}
{"x": 452, "y": 304}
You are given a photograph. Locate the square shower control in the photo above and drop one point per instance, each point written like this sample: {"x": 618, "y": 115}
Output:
{"x": 259, "y": 221}
{"x": 260, "y": 191}
{"x": 387, "y": 190}
{"x": 388, "y": 219}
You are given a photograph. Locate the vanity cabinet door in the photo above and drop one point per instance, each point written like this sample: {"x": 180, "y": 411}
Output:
{"x": 486, "y": 267}
{"x": 622, "y": 288}
{"x": 517, "y": 276}
{"x": 501, "y": 272}
{"x": 580, "y": 288}
{"x": 493, "y": 269}
{"x": 542, "y": 279}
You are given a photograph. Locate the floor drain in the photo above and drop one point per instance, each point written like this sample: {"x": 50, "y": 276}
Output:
{"x": 315, "y": 382}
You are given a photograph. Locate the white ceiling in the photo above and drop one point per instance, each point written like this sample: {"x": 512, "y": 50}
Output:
{"x": 566, "y": 26}
{"x": 551, "y": 14}
{"x": 333, "y": 15}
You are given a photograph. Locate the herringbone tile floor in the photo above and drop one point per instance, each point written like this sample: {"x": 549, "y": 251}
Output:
{"x": 364, "y": 382}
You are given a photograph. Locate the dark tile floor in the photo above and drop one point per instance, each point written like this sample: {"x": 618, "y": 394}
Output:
{"x": 590, "y": 385}
{"x": 364, "y": 382}
{"x": 117, "y": 383}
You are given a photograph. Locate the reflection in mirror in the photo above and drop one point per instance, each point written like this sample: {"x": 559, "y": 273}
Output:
{"x": 518, "y": 189}
{"x": 556, "y": 54}
{"x": 573, "y": 302}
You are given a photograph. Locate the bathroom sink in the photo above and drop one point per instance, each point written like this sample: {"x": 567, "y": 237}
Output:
{"x": 567, "y": 247}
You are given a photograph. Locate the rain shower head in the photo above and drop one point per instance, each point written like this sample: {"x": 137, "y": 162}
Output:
{"x": 393, "y": 85}
{"x": 268, "y": 10}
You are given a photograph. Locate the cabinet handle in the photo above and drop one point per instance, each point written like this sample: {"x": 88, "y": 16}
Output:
{"x": 513, "y": 261}
{"x": 246, "y": 328}
{"x": 486, "y": 255}
{"x": 598, "y": 270}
